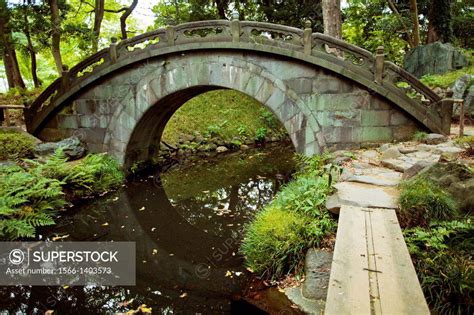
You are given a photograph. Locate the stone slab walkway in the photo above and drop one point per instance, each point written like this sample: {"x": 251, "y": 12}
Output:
{"x": 372, "y": 272}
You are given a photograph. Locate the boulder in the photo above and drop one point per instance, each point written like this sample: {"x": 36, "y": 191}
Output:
{"x": 469, "y": 103}
{"x": 434, "y": 58}
{"x": 459, "y": 89}
{"x": 434, "y": 138}
{"x": 72, "y": 147}
{"x": 384, "y": 147}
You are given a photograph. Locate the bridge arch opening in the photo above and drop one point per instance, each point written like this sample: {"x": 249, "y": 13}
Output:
{"x": 149, "y": 132}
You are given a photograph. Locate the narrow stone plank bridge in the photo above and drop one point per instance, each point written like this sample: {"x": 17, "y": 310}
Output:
{"x": 327, "y": 93}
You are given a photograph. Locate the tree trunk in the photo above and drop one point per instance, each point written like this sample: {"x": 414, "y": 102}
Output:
{"x": 31, "y": 50}
{"x": 221, "y": 6}
{"x": 56, "y": 35}
{"x": 98, "y": 17}
{"x": 10, "y": 61}
{"x": 123, "y": 18}
{"x": 332, "y": 17}
{"x": 416, "y": 24}
{"x": 432, "y": 35}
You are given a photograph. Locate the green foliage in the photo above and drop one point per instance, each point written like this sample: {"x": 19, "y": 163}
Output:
{"x": 420, "y": 136}
{"x": 442, "y": 255}
{"x": 260, "y": 134}
{"x": 27, "y": 200}
{"x": 276, "y": 240}
{"x": 95, "y": 174}
{"x": 15, "y": 145}
{"x": 30, "y": 197}
{"x": 422, "y": 201}
{"x": 268, "y": 118}
{"x": 205, "y": 114}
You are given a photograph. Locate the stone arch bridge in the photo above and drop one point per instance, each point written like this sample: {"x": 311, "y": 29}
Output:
{"x": 327, "y": 93}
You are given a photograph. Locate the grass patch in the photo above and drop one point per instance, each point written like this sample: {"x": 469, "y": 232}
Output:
{"x": 420, "y": 136}
{"x": 223, "y": 113}
{"x": 30, "y": 196}
{"x": 422, "y": 200}
{"x": 442, "y": 255}
{"x": 276, "y": 240}
{"x": 15, "y": 145}
{"x": 447, "y": 79}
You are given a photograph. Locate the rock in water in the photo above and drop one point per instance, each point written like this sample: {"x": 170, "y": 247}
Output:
{"x": 221, "y": 149}
{"x": 435, "y": 58}
{"x": 72, "y": 147}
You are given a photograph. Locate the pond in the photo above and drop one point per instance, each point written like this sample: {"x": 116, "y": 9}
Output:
{"x": 187, "y": 223}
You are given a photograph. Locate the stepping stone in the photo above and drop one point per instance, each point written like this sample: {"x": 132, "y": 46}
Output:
{"x": 396, "y": 164}
{"x": 448, "y": 150}
{"x": 378, "y": 180}
{"x": 391, "y": 153}
{"x": 362, "y": 195}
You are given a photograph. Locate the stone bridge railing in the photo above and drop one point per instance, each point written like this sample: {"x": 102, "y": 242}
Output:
{"x": 350, "y": 60}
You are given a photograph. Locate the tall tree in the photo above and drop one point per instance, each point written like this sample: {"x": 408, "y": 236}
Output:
{"x": 440, "y": 21}
{"x": 415, "y": 22}
{"x": 56, "y": 35}
{"x": 30, "y": 47}
{"x": 332, "y": 17}
{"x": 98, "y": 17}
{"x": 7, "y": 47}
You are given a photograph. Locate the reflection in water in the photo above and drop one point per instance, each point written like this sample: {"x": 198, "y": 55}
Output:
{"x": 187, "y": 224}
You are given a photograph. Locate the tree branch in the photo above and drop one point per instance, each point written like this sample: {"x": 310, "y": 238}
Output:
{"x": 399, "y": 17}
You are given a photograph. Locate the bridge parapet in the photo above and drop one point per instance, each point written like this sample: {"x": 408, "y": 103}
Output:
{"x": 382, "y": 77}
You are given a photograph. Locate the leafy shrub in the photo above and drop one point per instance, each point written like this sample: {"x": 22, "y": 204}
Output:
{"x": 242, "y": 131}
{"x": 15, "y": 145}
{"x": 442, "y": 256}
{"x": 95, "y": 174}
{"x": 268, "y": 118}
{"x": 260, "y": 134}
{"x": 420, "y": 136}
{"x": 421, "y": 201}
{"x": 27, "y": 200}
{"x": 466, "y": 142}
{"x": 277, "y": 239}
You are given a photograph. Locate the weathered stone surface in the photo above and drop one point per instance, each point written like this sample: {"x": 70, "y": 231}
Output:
{"x": 317, "y": 269}
{"x": 469, "y": 103}
{"x": 416, "y": 168}
{"x": 71, "y": 147}
{"x": 362, "y": 195}
{"x": 435, "y": 58}
{"x": 450, "y": 150}
{"x": 459, "y": 90}
{"x": 407, "y": 149}
{"x": 391, "y": 153}
{"x": 434, "y": 138}
{"x": 370, "y": 154}
{"x": 397, "y": 165}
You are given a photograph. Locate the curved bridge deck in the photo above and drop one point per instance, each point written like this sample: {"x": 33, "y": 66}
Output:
{"x": 372, "y": 74}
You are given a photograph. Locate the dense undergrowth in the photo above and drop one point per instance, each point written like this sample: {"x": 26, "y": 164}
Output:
{"x": 15, "y": 145}
{"x": 32, "y": 194}
{"x": 440, "y": 240}
{"x": 276, "y": 240}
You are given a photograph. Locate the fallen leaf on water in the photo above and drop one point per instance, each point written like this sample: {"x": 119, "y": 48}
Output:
{"x": 250, "y": 269}
{"x": 228, "y": 274}
{"x": 123, "y": 226}
{"x": 154, "y": 252}
{"x": 238, "y": 273}
{"x": 115, "y": 199}
{"x": 183, "y": 295}
{"x": 105, "y": 224}
{"x": 49, "y": 312}
{"x": 153, "y": 229}
{"x": 55, "y": 238}
{"x": 125, "y": 303}
{"x": 65, "y": 286}
{"x": 205, "y": 191}
{"x": 142, "y": 208}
